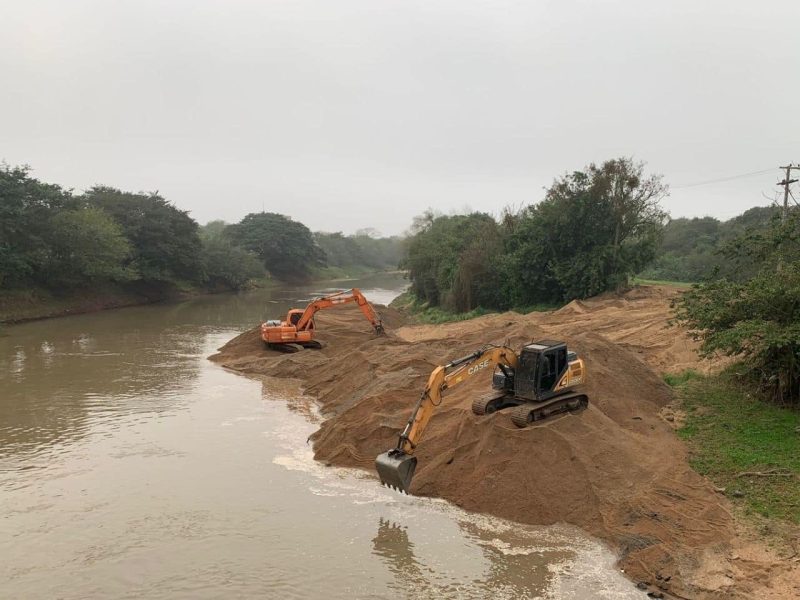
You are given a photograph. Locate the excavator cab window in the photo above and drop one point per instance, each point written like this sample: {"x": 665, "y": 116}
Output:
{"x": 549, "y": 372}
{"x": 561, "y": 361}
{"x": 295, "y": 317}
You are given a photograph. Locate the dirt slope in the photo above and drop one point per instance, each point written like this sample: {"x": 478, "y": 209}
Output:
{"x": 617, "y": 470}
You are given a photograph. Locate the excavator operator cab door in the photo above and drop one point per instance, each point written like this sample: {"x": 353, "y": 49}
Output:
{"x": 526, "y": 378}
{"x": 541, "y": 366}
{"x": 294, "y": 317}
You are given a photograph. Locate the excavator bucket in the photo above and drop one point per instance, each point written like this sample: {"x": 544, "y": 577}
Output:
{"x": 396, "y": 468}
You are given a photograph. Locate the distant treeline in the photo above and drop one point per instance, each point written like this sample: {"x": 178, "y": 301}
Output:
{"x": 53, "y": 238}
{"x": 693, "y": 250}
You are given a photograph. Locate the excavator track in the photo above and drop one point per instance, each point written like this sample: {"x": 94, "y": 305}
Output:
{"x": 287, "y": 348}
{"x": 525, "y": 414}
{"x": 488, "y": 403}
{"x": 313, "y": 345}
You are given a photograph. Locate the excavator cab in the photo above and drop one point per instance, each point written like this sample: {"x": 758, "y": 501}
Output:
{"x": 294, "y": 316}
{"x": 541, "y": 366}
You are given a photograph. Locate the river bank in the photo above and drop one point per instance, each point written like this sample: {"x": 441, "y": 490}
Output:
{"x": 131, "y": 466}
{"x": 616, "y": 470}
{"x": 19, "y": 306}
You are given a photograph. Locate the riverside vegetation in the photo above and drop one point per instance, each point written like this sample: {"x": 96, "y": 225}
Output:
{"x": 593, "y": 232}
{"x": 59, "y": 249}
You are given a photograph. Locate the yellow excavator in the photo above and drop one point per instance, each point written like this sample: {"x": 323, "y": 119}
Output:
{"x": 540, "y": 381}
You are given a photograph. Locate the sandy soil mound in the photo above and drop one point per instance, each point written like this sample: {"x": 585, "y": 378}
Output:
{"x": 616, "y": 470}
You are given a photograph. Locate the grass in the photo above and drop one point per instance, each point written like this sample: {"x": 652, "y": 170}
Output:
{"x": 677, "y": 284}
{"x": 730, "y": 430}
{"x": 436, "y": 315}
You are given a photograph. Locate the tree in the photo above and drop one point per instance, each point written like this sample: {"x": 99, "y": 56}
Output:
{"x": 87, "y": 246}
{"x": 693, "y": 249}
{"x": 228, "y": 266}
{"x": 757, "y": 320}
{"x": 213, "y": 230}
{"x": 165, "y": 240}
{"x": 26, "y": 208}
{"x": 594, "y": 229}
{"x": 340, "y": 250}
{"x": 286, "y": 247}
{"x": 452, "y": 261}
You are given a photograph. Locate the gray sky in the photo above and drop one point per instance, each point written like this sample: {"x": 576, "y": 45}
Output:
{"x": 347, "y": 114}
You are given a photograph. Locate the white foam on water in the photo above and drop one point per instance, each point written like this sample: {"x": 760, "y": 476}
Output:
{"x": 586, "y": 569}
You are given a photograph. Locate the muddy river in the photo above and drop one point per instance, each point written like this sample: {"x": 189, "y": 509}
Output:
{"x": 132, "y": 467}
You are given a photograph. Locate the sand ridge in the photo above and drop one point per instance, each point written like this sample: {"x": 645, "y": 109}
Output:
{"x": 616, "y": 470}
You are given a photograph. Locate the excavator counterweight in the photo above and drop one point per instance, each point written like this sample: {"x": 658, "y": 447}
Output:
{"x": 539, "y": 382}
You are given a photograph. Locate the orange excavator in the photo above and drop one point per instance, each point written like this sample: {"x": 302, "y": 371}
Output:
{"x": 297, "y": 331}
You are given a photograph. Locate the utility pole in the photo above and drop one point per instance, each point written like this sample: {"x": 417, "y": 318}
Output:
{"x": 787, "y": 181}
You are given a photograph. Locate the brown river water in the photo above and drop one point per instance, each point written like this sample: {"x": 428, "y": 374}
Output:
{"x": 132, "y": 467}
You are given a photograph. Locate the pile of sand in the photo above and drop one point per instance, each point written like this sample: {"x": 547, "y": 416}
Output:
{"x": 616, "y": 470}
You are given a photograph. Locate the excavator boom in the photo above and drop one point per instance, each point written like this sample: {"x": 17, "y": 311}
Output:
{"x": 396, "y": 467}
{"x": 344, "y": 297}
{"x": 297, "y": 330}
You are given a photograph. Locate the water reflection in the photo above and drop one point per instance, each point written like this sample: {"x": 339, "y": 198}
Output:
{"x": 518, "y": 567}
{"x": 392, "y": 545}
{"x": 59, "y": 376}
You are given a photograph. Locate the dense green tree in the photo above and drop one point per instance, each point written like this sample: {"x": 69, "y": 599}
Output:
{"x": 228, "y": 266}
{"x": 165, "y": 240}
{"x": 452, "y": 261}
{"x": 213, "y": 230}
{"x": 286, "y": 247}
{"x": 86, "y": 246}
{"x": 26, "y": 208}
{"x": 594, "y": 229}
{"x": 757, "y": 320}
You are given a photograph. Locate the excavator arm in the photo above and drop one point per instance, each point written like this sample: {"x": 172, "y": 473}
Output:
{"x": 396, "y": 467}
{"x": 344, "y": 297}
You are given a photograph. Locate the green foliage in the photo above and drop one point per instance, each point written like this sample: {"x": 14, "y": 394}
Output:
{"x": 731, "y": 432}
{"x": 228, "y": 266}
{"x": 26, "y": 209}
{"x": 87, "y": 245}
{"x": 594, "y": 229}
{"x": 213, "y": 230}
{"x": 360, "y": 253}
{"x": 694, "y": 249}
{"x": 286, "y": 247}
{"x": 433, "y": 315}
{"x": 452, "y": 261}
{"x": 165, "y": 241}
{"x": 757, "y": 320}
{"x": 666, "y": 282}
{"x": 50, "y": 239}
{"x": 682, "y": 378}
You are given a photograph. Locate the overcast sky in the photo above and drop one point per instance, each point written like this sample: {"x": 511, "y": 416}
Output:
{"x": 348, "y": 114}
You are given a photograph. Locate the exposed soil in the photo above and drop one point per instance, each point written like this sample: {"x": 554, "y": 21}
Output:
{"x": 617, "y": 469}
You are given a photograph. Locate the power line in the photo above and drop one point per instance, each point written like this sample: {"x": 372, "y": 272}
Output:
{"x": 721, "y": 179}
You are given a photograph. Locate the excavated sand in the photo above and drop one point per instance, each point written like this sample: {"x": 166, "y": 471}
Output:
{"x": 617, "y": 469}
